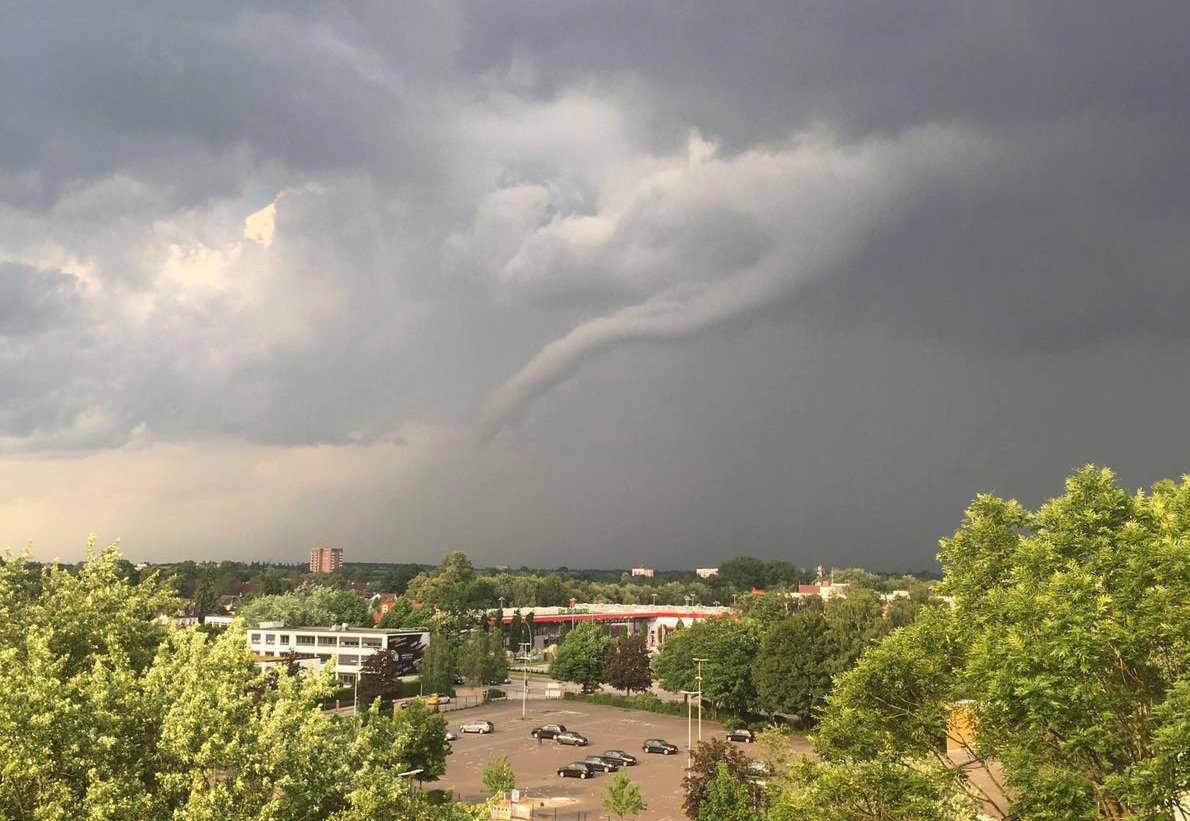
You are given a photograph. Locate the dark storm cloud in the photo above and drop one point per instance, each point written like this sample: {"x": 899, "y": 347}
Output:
{"x": 502, "y": 218}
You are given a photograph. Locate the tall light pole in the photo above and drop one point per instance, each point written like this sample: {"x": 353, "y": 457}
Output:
{"x": 699, "y": 680}
{"x": 409, "y": 774}
{"x": 689, "y": 740}
{"x": 525, "y": 668}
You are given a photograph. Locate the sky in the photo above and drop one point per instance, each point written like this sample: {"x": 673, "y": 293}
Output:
{"x": 584, "y": 284}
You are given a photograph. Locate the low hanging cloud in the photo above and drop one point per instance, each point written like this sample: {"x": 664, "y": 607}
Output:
{"x": 810, "y": 203}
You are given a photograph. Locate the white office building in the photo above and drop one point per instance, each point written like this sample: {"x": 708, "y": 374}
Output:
{"x": 346, "y": 647}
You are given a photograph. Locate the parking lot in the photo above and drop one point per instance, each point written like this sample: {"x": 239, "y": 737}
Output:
{"x": 535, "y": 766}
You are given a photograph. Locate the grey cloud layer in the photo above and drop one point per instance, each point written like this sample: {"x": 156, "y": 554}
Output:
{"x": 479, "y": 206}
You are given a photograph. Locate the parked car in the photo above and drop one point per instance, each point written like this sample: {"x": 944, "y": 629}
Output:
{"x": 458, "y": 680}
{"x": 572, "y": 738}
{"x": 451, "y": 735}
{"x": 548, "y": 730}
{"x": 619, "y": 757}
{"x": 579, "y": 769}
{"x": 587, "y": 689}
{"x": 600, "y": 763}
{"x": 742, "y": 735}
{"x": 659, "y": 745}
{"x": 434, "y": 698}
{"x": 478, "y": 726}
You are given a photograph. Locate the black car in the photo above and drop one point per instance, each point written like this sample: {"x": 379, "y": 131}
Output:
{"x": 572, "y": 738}
{"x": 619, "y": 757}
{"x": 598, "y": 762}
{"x": 742, "y": 735}
{"x": 579, "y": 769}
{"x": 659, "y": 745}
{"x": 548, "y": 730}
{"x": 458, "y": 680}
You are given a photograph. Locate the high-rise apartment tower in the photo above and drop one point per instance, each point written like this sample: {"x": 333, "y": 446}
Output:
{"x": 325, "y": 559}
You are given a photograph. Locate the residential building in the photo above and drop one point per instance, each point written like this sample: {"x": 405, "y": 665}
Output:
{"x": 325, "y": 559}
{"x": 647, "y": 572}
{"x": 345, "y": 647}
{"x": 706, "y": 572}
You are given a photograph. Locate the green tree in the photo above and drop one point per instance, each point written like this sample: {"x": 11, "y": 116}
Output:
{"x": 205, "y": 596}
{"x": 498, "y": 777}
{"x": 792, "y": 671}
{"x": 854, "y": 623}
{"x": 1069, "y": 641}
{"x": 729, "y": 645}
{"x": 726, "y": 799}
{"x": 743, "y": 573}
{"x": 309, "y": 605}
{"x": 419, "y": 740}
{"x": 484, "y": 659}
{"x": 116, "y": 715}
{"x": 582, "y": 656}
{"x": 628, "y": 666}
{"x": 378, "y": 676}
{"x": 622, "y": 797}
{"x": 439, "y": 664}
{"x": 402, "y": 613}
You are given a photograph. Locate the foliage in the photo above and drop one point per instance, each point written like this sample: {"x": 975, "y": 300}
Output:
{"x": 706, "y": 759}
{"x": 1071, "y": 638}
{"x": 498, "y": 777}
{"x": 792, "y": 669}
{"x": 745, "y": 573}
{"x": 379, "y": 676}
{"x": 111, "y": 715}
{"x": 205, "y": 597}
{"x": 309, "y": 605}
{"x": 726, "y": 798}
{"x": 729, "y": 645}
{"x": 622, "y": 797}
{"x": 582, "y": 656}
{"x": 402, "y": 613}
{"x": 438, "y": 665}
{"x": 484, "y": 660}
{"x": 628, "y": 666}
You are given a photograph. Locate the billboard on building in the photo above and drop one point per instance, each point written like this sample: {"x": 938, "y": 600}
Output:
{"x": 407, "y": 650}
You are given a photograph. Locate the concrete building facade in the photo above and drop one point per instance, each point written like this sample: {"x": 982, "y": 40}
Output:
{"x": 344, "y": 647}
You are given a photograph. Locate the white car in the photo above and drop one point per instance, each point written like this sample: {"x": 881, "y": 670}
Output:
{"x": 477, "y": 726}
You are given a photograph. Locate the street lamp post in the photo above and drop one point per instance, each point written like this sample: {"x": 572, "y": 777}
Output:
{"x": 698, "y": 678}
{"x": 409, "y": 774}
{"x": 689, "y": 740}
{"x": 525, "y": 669}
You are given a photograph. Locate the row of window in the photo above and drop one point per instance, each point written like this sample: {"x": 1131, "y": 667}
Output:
{"x": 282, "y": 639}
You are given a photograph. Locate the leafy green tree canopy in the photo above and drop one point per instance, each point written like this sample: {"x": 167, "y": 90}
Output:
{"x": 1070, "y": 645}
{"x": 622, "y": 797}
{"x": 582, "y": 656}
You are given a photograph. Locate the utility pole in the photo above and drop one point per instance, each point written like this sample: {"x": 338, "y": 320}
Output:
{"x": 699, "y": 680}
{"x": 525, "y": 668}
